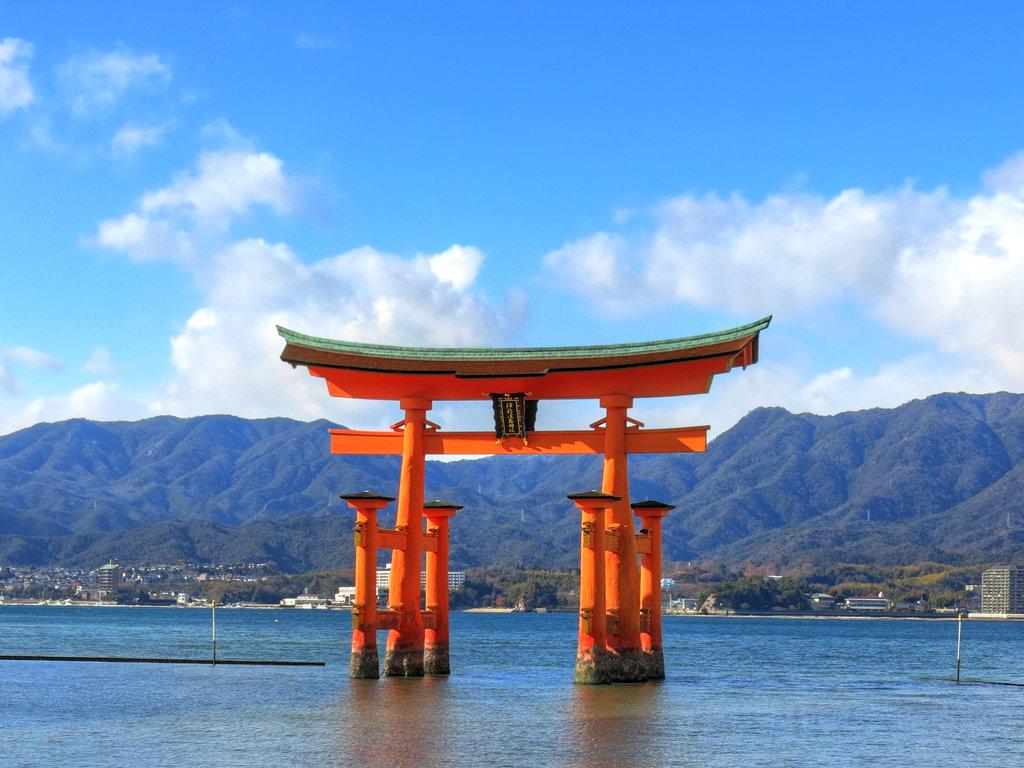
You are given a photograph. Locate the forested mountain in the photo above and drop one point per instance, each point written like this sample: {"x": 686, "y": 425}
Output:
{"x": 940, "y": 478}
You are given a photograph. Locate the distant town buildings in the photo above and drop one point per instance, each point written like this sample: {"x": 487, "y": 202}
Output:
{"x": 685, "y": 604}
{"x": 456, "y": 579}
{"x": 305, "y": 601}
{"x": 822, "y": 601}
{"x": 108, "y": 579}
{"x": 867, "y": 603}
{"x": 668, "y": 584}
{"x": 1002, "y": 590}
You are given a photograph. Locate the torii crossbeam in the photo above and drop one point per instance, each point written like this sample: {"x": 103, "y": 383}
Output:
{"x": 623, "y": 642}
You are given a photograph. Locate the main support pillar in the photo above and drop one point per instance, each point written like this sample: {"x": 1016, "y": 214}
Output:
{"x": 404, "y": 657}
{"x": 650, "y": 513}
{"x": 435, "y": 650}
{"x": 592, "y": 658}
{"x": 365, "y": 662}
{"x": 622, "y": 577}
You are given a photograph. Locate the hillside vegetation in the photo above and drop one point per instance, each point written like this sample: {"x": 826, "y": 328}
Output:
{"x": 940, "y": 479}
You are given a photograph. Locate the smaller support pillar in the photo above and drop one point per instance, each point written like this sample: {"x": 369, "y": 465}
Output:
{"x": 650, "y": 514}
{"x": 592, "y": 647}
{"x": 435, "y": 645}
{"x": 365, "y": 664}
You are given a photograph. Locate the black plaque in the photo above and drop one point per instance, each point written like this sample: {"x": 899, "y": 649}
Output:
{"x": 514, "y": 415}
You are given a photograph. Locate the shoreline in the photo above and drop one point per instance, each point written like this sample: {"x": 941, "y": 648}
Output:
{"x": 827, "y": 617}
{"x": 505, "y": 611}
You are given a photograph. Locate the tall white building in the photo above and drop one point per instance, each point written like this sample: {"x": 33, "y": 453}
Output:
{"x": 1002, "y": 590}
{"x": 456, "y": 579}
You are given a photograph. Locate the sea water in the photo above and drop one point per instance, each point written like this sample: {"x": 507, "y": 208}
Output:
{"x": 740, "y": 692}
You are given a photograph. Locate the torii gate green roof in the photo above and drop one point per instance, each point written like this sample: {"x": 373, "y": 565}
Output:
{"x": 514, "y": 354}
{"x": 664, "y": 368}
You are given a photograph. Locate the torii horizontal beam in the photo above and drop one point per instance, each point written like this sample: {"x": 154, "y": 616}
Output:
{"x": 350, "y": 442}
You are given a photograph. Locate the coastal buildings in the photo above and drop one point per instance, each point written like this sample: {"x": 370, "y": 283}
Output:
{"x": 822, "y": 601}
{"x": 867, "y": 603}
{"x": 108, "y": 579}
{"x": 456, "y": 579}
{"x": 681, "y": 605}
{"x": 1002, "y": 590}
{"x": 307, "y": 602}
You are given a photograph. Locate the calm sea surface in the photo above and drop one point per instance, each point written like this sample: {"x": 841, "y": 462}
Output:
{"x": 740, "y": 692}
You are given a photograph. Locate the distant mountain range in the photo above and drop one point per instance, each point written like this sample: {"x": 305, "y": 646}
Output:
{"x": 935, "y": 479}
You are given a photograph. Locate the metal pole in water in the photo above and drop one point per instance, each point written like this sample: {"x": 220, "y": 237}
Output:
{"x": 214, "y": 633}
{"x": 959, "y": 634}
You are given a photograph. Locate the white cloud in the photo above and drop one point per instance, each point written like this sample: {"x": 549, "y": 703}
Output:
{"x": 15, "y": 87}
{"x": 98, "y": 80}
{"x": 32, "y": 358}
{"x": 131, "y": 137}
{"x": 457, "y": 266}
{"x": 932, "y": 265}
{"x": 146, "y": 240}
{"x": 226, "y": 184}
{"x": 735, "y": 394}
{"x": 594, "y": 264}
{"x": 1008, "y": 176}
{"x": 227, "y": 356}
{"x": 790, "y": 252}
{"x": 98, "y": 400}
{"x": 221, "y": 133}
{"x": 10, "y": 357}
{"x": 99, "y": 361}
{"x": 201, "y": 205}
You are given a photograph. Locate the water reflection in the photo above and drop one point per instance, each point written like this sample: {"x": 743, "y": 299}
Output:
{"x": 623, "y": 725}
{"x": 394, "y": 722}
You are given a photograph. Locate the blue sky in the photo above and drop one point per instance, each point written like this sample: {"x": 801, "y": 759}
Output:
{"x": 174, "y": 180}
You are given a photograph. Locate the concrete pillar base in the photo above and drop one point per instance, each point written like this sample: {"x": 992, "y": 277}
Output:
{"x": 627, "y": 666}
{"x": 654, "y": 662}
{"x": 401, "y": 663}
{"x": 435, "y": 660}
{"x": 364, "y": 665}
{"x": 591, "y": 669}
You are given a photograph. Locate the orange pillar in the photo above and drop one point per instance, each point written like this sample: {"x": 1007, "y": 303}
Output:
{"x": 365, "y": 662}
{"x": 650, "y": 514}
{"x": 622, "y": 577}
{"x": 592, "y": 642}
{"x": 404, "y": 657}
{"x": 435, "y": 649}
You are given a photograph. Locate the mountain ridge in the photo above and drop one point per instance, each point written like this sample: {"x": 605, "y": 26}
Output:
{"x": 937, "y": 478}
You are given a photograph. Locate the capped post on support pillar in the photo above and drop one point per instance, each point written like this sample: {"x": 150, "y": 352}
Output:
{"x": 650, "y": 513}
{"x": 435, "y": 644}
{"x": 592, "y": 641}
{"x": 365, "y": 663}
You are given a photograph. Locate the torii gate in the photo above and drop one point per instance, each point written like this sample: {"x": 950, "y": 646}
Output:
{"x": 620, "y": 598}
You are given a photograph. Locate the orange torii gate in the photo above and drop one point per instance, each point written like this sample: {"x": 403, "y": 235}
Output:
{"x": 620, "y": 568}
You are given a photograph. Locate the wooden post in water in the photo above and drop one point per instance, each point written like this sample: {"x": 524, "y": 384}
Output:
{"x": 959, "y": 635}
{"x": 213, "y": 630}
{"x": 365, "y": 663}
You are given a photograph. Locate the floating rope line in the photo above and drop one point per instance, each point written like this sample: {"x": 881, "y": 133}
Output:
{"x": 140, "y": 660}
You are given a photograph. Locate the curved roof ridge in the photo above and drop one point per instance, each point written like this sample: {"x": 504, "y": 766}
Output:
{"x": 522, "y": 353}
